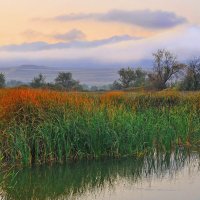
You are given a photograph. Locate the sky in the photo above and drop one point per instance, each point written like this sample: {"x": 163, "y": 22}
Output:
{"x": 106, "y": 31}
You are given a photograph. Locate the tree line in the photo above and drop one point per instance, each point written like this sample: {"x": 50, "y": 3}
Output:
{"x": 167, "y": 72}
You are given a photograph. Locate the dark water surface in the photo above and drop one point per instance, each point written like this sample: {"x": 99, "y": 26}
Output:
{"x": 166, "y": 177}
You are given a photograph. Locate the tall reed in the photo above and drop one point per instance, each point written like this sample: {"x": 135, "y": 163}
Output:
{"x": 40, "y": 126}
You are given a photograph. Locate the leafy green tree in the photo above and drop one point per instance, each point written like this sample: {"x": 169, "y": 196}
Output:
{"x": 140, "y": 77}
{"x": 127, "y": 77}
{"x": 38, "y": 81}
{"x": 66, "y": 82}
{"x": 116, "y": 86}
{"x": 165, "y": 68}
{"x": 2, "y": 80}
{"x": 191, "y": 80}
{"x": 130, "y": 78}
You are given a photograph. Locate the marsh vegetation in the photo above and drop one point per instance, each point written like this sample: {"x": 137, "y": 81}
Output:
{"x": 42, "y": 126}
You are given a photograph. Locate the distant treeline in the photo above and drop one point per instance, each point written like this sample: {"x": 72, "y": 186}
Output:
{"x": 167, "y": 72}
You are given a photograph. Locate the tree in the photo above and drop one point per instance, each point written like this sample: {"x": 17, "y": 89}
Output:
{"x": 38, "y": 81}
{"x": 140, "y": 77}
{"x": 65, "y": 81}
{"x": 191, "y": 80}
{"x": 85, "y": 87}
{"x": 130, "y": 78}
{"x": 116, "y": 86}
{"x": 94, "y": 88}
{"x": 165, "y": 68}
{"x": 14, "y": 83}
{"x": 2, "y": 80}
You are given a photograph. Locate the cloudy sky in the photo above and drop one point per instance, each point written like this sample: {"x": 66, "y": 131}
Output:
{"x": 106, "y": 31}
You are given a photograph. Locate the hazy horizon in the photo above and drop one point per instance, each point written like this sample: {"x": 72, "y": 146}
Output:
{"x": 96, "y": 34}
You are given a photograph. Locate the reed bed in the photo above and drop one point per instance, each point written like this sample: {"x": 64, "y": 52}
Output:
{"x": 41, "y": 126}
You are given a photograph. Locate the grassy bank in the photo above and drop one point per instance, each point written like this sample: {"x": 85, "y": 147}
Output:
{"x": 43, "y": 126}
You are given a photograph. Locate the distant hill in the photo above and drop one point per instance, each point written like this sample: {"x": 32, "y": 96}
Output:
{"x": 90, "y": 76}
{"x": 87, "y": 71}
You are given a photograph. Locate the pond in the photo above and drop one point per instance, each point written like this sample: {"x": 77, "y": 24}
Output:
{"x": 169, "y": 176}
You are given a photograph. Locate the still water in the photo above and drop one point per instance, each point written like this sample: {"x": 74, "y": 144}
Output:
{"x": 163, "y": 177}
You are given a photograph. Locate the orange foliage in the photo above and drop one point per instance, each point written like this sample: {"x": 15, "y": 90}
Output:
{"x": 15, "y": 101}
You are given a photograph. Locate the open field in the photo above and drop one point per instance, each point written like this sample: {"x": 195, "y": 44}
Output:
{"x": 40, "y": 126}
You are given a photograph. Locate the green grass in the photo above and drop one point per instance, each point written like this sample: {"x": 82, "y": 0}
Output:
{"x": 125, "y": 125}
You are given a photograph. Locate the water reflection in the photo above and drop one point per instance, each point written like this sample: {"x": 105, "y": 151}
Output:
{"x": 74, "y": 180}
